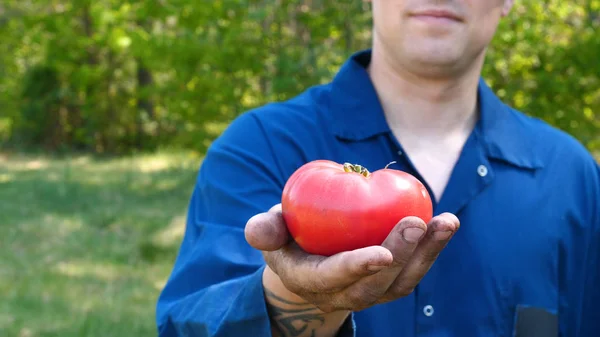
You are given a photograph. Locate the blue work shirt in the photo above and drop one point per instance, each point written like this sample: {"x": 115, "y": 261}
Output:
{"x": 525, "y": 262}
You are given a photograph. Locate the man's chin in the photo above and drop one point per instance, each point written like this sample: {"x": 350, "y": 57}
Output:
{"x": 435, "y": 65}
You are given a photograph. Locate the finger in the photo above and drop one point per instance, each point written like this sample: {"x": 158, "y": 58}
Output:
{"x": 404, "y": 239}
{"x": 401, "y": 242}
{"x": 275, "y": 209}
{"x": 441, "y": 230}
{"x": 302, "y": 272}
{"x": 267, "y": 231}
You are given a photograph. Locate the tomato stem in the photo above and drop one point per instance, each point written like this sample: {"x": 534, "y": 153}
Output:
{"x": 357, "y": 169}
{"x": 386, "y": 166}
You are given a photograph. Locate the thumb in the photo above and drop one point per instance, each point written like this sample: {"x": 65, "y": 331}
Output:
{"x": 267, "y": 231}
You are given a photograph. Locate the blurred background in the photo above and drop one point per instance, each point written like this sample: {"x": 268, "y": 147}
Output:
{"x": 106, "y": 109}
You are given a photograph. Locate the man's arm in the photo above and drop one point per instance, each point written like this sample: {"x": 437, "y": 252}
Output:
{"x": 579, "y": 252}
{"x": 589, "y": 311}
{"x": 293, "y": 316}
{"x": 220, "y": 279}
{"x": 217, "y": 286}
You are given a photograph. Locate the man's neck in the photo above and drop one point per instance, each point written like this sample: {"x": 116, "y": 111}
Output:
{"x": 429, "y": 106}
{"x": 431, "y": 117}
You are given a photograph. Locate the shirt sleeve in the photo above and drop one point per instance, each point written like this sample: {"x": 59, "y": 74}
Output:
{"x": 215, "y": 288}
{"x": 590, "y": 310}
{"x": 579, "y": 259}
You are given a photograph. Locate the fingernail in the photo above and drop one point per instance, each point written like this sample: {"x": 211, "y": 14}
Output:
{"x": 375, "y": 268}
{"x": 442, "y": 235}
{"x": 413, "y": 234}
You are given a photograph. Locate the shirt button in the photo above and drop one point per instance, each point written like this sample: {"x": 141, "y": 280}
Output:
{"x": 482, "y": 170}
{"x": 428, "y": 310}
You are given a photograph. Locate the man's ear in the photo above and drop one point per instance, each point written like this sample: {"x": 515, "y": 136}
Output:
{"x": 508, "y": 4}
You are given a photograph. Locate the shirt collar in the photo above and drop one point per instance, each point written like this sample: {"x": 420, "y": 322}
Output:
{"x": 358, "y": 115}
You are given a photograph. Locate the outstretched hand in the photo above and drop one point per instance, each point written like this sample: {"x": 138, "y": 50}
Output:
{"x": 357, "y": 279}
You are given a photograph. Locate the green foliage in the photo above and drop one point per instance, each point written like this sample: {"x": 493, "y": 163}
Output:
{"x": 543, "y": 63}
{"x": 115, "y": 76}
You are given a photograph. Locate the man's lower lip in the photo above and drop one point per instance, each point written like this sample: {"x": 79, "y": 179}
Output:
{"x": 435, "y": 19}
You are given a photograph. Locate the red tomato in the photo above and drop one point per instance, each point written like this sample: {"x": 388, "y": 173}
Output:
{"x": 330, "y": 208}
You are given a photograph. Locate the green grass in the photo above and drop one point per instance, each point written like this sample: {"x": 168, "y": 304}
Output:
{"x": 87, "y": 244}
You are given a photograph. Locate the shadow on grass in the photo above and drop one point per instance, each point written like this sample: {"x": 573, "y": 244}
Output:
{"x": 110, "y": 195}
{"x": 58, "y": 191}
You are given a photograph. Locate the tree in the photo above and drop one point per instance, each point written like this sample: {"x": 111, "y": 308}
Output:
{"x": 115, "y": 76}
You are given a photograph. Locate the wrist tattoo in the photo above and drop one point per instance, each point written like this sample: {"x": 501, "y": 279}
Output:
{"x": 293, "y": 319}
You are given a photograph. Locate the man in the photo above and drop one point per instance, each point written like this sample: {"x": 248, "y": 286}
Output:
{"x": 525, "y": 261}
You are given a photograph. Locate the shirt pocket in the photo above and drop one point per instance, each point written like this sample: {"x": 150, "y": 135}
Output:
{"x": 535, "y": 321}
{"x": 529, "y": 309}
